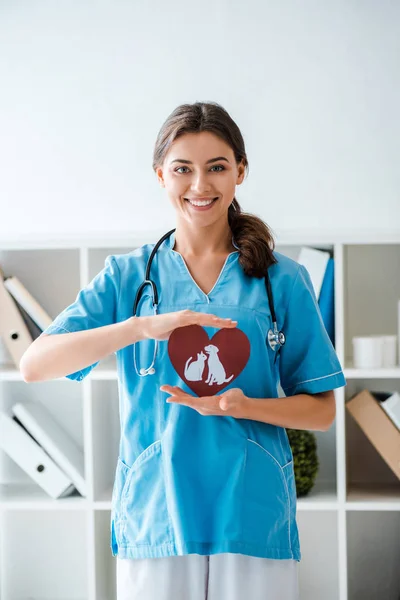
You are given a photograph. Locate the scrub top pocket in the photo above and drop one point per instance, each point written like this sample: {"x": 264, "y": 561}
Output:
{"x": 121, "y": 473}
{"x": 266, "y": 513}
{"x": 142, "y": 516}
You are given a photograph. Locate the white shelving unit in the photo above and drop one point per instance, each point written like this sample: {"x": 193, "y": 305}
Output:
{"x": 349, "y": 524}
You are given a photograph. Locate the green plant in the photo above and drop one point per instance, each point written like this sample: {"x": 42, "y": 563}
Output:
{"x": 305, "y": 459}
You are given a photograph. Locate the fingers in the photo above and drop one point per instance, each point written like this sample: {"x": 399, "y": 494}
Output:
{"x": 215, "y": 321}
{"x": 200, "y": 318}
{"x": 222, "y": 322}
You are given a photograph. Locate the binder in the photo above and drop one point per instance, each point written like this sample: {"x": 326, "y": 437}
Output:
{"x": 34, "y": 329}
{"x": 28, "y": 454}
{"x": 54, "y": 440}
{"x": 315, "y": 261}
{"x": 13, "y": 329}
{"x": 27, "y": 302}
{"x": 326, "y": 300}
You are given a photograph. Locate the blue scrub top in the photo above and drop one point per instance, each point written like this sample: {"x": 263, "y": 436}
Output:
{"x": 185, "y": 482}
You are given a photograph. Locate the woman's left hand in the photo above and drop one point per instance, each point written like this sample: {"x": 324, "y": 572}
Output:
{"x": 231, "y": 403}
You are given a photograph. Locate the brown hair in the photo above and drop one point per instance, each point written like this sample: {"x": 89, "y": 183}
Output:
{"x": 250, "y": 233}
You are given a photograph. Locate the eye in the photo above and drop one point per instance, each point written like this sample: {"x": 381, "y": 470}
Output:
{"x": 214, "y": 166}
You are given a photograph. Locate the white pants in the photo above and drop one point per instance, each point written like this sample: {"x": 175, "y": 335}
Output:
{"x": 225, "y": 576}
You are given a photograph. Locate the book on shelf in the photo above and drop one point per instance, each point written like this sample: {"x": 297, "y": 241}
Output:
{"x": 365, "y": 407}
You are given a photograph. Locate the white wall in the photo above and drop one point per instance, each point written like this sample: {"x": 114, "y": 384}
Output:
{"x": 85, "y": 86}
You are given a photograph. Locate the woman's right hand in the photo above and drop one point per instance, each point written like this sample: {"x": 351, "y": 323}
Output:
{"x": 160, "y": 327}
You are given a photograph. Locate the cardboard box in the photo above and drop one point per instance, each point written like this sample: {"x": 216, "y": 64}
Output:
{"x": 377, "y": 426}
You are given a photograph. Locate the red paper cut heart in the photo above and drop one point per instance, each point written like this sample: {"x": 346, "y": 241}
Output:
{"x": 223, "y": 357}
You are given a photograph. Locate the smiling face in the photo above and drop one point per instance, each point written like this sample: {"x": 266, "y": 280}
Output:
{"x": 191, "y": 172}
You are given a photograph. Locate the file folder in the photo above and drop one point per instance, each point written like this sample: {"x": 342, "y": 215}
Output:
{"x": 28, "y": 454}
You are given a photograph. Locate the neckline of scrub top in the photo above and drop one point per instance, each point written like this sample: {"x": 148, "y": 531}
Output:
{"x": 170, "y": 241}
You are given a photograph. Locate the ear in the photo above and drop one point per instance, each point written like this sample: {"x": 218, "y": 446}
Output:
{"x": 241, "y": 173}
{"x": 160, "y": 176}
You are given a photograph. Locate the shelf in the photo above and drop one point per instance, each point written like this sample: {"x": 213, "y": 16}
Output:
{"x": 21, "y": 496}
{"x": 104, "y": 500}
{"x": 383, "y": 373}
{"x": 348, "y": 530}
{"x": 321, "y": 497}
{"x": 106, "y": 369}
{"x": 373, "y": 497}
{"x": 9, "y": 372}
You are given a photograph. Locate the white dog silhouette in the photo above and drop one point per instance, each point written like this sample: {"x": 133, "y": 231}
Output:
{"x": 216, "y": 371}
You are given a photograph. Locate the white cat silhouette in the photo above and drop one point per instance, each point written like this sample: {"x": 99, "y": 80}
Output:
{"x": 216, "y": 371}
{"x": 194, "y": 371}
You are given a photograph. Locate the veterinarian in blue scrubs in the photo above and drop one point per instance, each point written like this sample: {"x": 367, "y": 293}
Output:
{"x": 212, "y": 497}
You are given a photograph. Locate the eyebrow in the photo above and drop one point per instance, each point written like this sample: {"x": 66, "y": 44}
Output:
{"x": 189, "y": 162}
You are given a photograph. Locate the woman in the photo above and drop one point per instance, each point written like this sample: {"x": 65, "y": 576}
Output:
{"x": 204, "y": 498}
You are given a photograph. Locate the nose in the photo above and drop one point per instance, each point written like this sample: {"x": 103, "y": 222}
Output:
{"x": 200, "y": 184}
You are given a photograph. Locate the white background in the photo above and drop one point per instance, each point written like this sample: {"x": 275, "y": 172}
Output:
{"x": 85, "y": 86}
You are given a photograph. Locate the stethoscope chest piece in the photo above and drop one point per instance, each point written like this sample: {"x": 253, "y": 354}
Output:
{"x": 276, "y": 338}
{"x": 149, "y": 371}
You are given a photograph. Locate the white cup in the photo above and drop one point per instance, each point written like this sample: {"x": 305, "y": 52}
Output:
{"x": 389, "y": 358}
{"x": 368, "y": 351}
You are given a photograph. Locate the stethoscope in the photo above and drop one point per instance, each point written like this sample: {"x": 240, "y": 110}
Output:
{"x": 275, "y": 337}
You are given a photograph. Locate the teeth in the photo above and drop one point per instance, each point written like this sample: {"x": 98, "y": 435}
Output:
{"x": 197, "y": 203}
